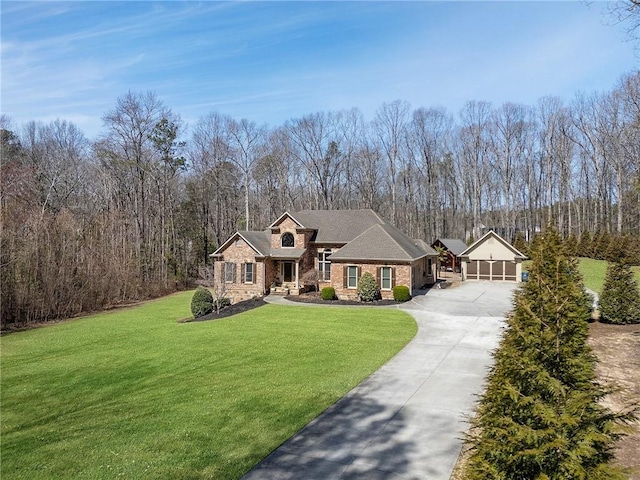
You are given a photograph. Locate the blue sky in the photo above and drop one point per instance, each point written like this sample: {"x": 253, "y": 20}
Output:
{"x": 273, "y": 61}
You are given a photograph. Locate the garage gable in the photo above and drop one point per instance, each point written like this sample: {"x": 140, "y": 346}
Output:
{"x": 492, "y": 258}
{"x": 492, "y": 246}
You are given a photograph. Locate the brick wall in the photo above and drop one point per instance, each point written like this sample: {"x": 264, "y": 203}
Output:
{"x": 402, "y": 277}
{"x": 300, "y": 239}
{"x": 238, "y": 253}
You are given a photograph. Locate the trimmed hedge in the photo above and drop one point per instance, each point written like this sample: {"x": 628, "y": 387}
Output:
{"x": 328, "y": 293}
{"x": 201, "y": 302}
{"x": 401, "y": 293}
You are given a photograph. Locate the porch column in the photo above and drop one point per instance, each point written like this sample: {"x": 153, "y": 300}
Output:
{"x": 297, "y": 270}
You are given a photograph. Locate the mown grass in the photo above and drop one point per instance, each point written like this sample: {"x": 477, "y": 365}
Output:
{"x": 592, "y": 271}
{"x": 134, "y": 394}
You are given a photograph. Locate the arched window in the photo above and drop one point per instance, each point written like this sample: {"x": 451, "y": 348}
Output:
{"x": 287, "y": 240}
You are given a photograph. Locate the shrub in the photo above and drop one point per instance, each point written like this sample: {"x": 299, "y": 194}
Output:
{"x": 368, "y": 289}
{"x": 310, "y": 279}
{"x": 328, "y": 293}
{"x": 222, "y": 302}
{"x": 541, "y": 415}
{"x": 201, "y": 302}
{"x": 620, "y": 299}
{"x": 401, "y": 293}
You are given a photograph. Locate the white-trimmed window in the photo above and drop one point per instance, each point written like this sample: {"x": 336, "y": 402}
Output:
{"x": 324, "y": 265}
{"x": 229, "y": 272}
{"x": 248, "y": 273}
{"x": 386, "y": 278}
{"x": 352, "y": 276}
{"x": 287, "y": 240}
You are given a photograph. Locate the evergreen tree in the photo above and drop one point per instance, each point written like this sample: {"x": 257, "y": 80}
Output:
{"x": 571, "y": 244}
{"x": 584, "y": 245}
{"x": 540, "y": 417}
{"x": 620, "y": 299}
{"x": 617, "y": 249}
{"x": 601, "y": 245}
{"x": 520, "y": 244}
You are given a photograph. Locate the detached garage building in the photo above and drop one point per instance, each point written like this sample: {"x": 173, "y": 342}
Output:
{"x": 492, "y": 258}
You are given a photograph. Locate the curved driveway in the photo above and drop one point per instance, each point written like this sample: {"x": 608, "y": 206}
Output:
{"x": 406, "y": 421}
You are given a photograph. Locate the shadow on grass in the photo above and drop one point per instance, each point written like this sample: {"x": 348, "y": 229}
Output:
{"x": 229, "y": 311}
{"x": 355, "y": 438}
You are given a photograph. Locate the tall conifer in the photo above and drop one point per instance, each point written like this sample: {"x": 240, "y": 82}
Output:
{"x": 540, "y": 417}
{"x": 620, "y": 299}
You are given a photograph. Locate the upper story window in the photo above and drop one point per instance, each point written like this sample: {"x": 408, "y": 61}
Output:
{"x": 287, "y": 240}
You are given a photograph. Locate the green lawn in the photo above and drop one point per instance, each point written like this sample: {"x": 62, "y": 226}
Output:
{"x": 594, "y": 271}
{"x": 132, "y": 393}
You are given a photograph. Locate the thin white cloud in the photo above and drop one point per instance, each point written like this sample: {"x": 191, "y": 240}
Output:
{"x": 270, "y": 61}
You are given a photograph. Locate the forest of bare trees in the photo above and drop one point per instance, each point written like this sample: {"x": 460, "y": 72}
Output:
{"x": 90, "y": 223}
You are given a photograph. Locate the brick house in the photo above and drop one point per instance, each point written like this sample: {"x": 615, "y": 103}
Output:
{"x": 340, "y": 245}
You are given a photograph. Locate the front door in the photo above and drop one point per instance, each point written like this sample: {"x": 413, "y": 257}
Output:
{"x": 287, "y": 272}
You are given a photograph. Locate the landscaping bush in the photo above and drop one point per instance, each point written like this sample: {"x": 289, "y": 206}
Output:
{"x": 368, "y": 289}
{"x": 222, "y": 302}
{"x": 541, "y": 415}
{"x": 401, "y": 293}
{"x": 310, "y": 280}
{"x": 328, "y": 293}
{"x": 201, "y": 302}
{"x": 620, "y": 299}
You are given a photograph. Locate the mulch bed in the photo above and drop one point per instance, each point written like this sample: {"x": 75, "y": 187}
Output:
{"x": 230, "y": 310}
{"x": 314, "y": 297}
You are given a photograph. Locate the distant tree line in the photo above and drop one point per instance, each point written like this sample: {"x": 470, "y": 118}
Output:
{"x": 132, "y": 213}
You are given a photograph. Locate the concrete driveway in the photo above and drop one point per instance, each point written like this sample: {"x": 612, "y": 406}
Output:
{"x": 406, "y": 421}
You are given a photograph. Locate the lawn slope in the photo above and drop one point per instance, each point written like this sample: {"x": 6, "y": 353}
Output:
{"x": 133, "y": 393}
{"x": 594, "y": 271}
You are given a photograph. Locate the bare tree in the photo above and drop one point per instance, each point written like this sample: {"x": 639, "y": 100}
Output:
{"x": 317, "y": 149}
{"x": 390, "y": 126}
{"x": 126, "y": 149}
{"x": 474, "y": 144}
{"x": 246, "y": 141}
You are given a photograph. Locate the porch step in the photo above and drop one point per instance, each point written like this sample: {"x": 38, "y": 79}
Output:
{"x": 279, "y": 290}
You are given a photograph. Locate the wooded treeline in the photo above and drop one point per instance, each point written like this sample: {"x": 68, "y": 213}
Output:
{"x": 134, "y": 212}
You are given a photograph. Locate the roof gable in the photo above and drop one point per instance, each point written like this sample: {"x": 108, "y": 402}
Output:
{"x": 258, "y": 241}
{"x": 486, "y": 237}
{"x": 282, "y": 217}
{"x": 381, "y": 242}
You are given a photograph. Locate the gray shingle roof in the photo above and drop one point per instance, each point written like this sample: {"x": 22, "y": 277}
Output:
{"x": 381, "y": 242}
{"x": 454, "y": 245}
{"x": 338, "y": 226}
{"x": 425, "y": 247}
{"x": 286, "y": 253}
{"x": 364, "y": 234}
{"x": 259, "y": 240}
